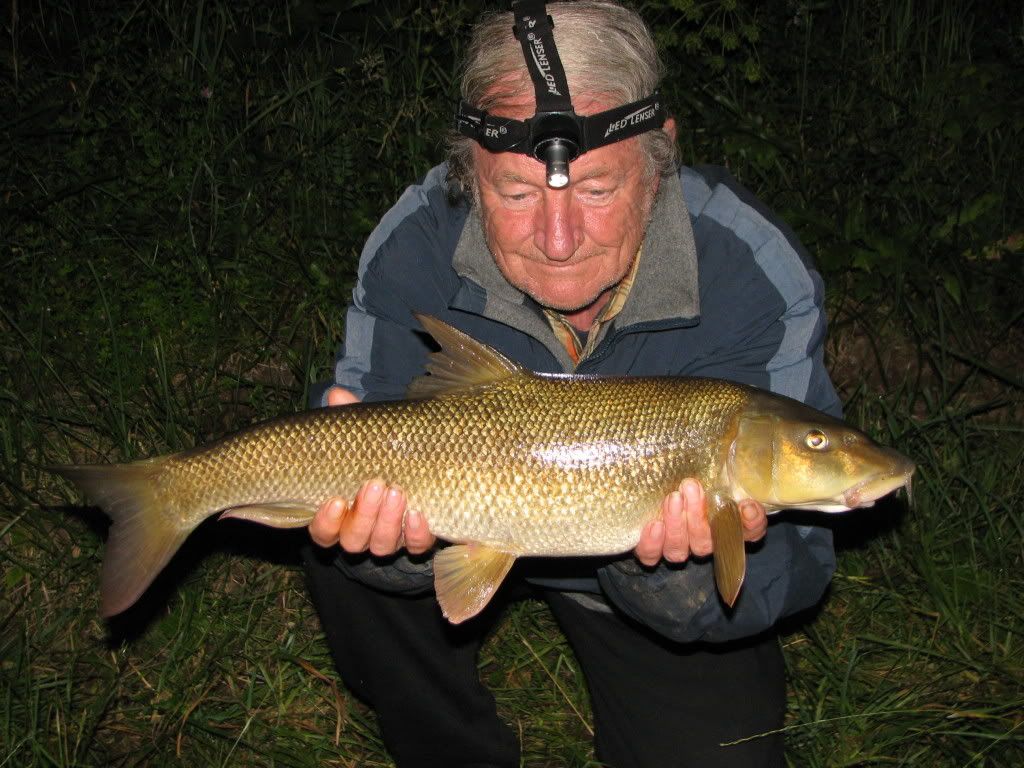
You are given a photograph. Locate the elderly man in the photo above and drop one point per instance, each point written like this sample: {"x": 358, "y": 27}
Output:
{"x": 601, "y": 257}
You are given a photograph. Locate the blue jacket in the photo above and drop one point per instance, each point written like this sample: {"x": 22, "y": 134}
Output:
{"x": 723, "y": 289}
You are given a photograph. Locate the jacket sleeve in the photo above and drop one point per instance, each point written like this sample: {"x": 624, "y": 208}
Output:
{"x": 791, "y": 567}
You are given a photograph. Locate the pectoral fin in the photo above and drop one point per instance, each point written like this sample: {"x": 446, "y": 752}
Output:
{"x": 466, "y": 576}
{"x": 730, "y": 557}
{"x": 285, "y": 514}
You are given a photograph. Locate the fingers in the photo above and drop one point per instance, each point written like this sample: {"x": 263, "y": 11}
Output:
{"x": 755, "y": 520}
{"x": 340, "y": 396}
{"x": 652, "y": 541}
{"x": 418, "y": 538}
{"x": 698, "y": 528}
{"x": 677, "y": 535}
{"x": 682, "y": 530}
{"x": 358, "y": 525}
{"x": 374, "y": 522}
{"x": 670, "y": 537}
{"x": 387, "y": 531}
{"x": 326, "y": 525}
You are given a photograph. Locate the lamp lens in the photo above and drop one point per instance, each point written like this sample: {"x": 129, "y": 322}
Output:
{"x": 556, "y": 157}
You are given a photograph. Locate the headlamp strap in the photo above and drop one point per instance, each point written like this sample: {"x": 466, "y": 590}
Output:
{"x": 493, "y": 133}
{"x": 503, "y": 134}
{"x": 555, "y": 120}
{"x": 534, "y": 30}
{"x": 623, "y": 122}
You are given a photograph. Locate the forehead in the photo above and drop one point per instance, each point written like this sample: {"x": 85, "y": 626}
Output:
{"x": 614, "y": 161}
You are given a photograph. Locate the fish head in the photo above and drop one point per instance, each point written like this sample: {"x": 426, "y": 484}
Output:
{"x": 788, "y": 455}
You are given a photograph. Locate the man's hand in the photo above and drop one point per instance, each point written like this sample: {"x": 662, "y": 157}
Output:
{"x": 683, "y": 529}
{"x": 374, "y": 520}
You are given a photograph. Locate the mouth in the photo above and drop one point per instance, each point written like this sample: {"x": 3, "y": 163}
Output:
{"x": 866, "y": 493}
{"x": 575, "y": 261}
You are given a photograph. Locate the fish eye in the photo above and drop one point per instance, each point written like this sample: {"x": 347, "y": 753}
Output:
{"x": 816, "y": 440}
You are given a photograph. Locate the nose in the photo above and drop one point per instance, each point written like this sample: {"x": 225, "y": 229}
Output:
{"x": 558, "y": 233}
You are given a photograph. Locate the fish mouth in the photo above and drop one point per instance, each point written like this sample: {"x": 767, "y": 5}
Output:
{"x": 863, "y": 494}
{"x": 867, "y": 492}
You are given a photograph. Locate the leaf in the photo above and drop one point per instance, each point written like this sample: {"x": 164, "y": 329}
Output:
{"x": 980, "y": 207}
{"x": 853, "y": 224}
{"x": 952, "y": 130}
{"x": 952, "y": 286}
{"x": 968, "y": 213}
{"x": 989, "y": 119}
{"x": 14, "y": 576}
{"x": 864, "y": 259}
{"x": 891, "y": 251}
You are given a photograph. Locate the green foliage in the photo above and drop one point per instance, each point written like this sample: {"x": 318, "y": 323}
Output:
{"x": 194, "y": 147}
{"x": 186, "y": 192}
{"x": 717, "y": 38}
{"x": 887, "y": 134}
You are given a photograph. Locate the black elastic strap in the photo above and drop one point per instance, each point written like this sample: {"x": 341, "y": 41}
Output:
{"x": 623, "y": 122}
{"x": 503, "y": 134}
{"x": 555, "y": 120}
{"x": 534, "y": 30}
{"x": 492, "y": 132}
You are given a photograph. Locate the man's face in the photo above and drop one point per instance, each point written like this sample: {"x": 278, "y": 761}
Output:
{"x": 566, "y": 248}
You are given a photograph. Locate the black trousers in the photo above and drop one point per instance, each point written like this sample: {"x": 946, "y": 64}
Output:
{"x": 655, "y": 703}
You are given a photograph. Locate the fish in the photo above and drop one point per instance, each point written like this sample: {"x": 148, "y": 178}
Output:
{"x": 502, "y": 463}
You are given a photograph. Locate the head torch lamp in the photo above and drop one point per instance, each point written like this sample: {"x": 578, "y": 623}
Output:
{"x": 555, "y": 135}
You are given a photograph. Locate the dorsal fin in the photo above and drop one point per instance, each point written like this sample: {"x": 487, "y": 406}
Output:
{"x": 462, "y": 362}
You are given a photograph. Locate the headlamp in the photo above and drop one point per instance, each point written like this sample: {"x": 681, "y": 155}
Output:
{"x": 555, "y": 135}
{"x": 556, "y": 139}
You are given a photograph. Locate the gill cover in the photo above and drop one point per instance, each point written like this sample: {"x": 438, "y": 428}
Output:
{"x": 788, "y": 455}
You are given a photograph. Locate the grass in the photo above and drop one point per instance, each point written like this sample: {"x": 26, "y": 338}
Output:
{"x": 180, "y": 216}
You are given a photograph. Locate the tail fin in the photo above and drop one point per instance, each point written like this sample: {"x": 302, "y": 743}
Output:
{"x": 142, "y": 538}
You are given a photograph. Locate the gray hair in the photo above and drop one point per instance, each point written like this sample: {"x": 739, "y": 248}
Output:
{"x": 606, "y": 49}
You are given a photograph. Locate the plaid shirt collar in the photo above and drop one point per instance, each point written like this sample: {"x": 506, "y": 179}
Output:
{"x": 569, "y": 337}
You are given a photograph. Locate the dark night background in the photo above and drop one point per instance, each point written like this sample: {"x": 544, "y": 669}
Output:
{"x": 183, "y": 196}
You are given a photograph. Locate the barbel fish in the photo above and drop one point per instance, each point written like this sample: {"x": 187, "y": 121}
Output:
{"x": 503, "y": 463}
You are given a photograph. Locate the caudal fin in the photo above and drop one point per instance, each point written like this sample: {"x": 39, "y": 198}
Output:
{"x": 142, "y": 539}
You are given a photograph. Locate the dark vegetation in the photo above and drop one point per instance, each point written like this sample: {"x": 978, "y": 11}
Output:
{"x": 184, "y": 193}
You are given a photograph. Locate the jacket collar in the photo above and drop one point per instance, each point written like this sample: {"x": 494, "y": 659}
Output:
{"x": 664, "y": 293}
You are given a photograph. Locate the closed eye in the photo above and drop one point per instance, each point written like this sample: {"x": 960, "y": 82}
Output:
{"x": 596, "y": 193}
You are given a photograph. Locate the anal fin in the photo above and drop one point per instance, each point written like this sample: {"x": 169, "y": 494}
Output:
{"x": 466, "y": 576}
{"x": 730, "y": 557}
{"x": 285, "y": 514}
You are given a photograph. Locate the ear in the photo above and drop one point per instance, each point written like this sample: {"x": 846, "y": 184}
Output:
{"x": 670, "y": 127}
